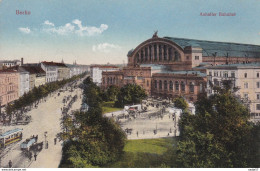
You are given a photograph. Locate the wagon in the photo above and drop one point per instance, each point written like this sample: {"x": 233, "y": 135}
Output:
{"x": 25, "y": 146}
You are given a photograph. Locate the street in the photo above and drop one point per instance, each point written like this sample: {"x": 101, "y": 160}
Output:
{"x": 45, "y": 118}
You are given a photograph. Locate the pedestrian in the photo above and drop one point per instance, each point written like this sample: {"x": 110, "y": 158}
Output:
{"x": 36, "y": 138}
{"x": 47, "y": 144}
{"x": 10, "y": 164}
{"x": 30, "y": 156}
{"x": 55, "y": 141}
{"x": 35, "y": 156}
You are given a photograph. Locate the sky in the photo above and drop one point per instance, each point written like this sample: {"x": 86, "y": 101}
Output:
{"x": 103, "y": 31}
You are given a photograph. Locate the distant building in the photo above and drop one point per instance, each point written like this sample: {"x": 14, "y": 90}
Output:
{"x": 24, "y": 79}
{"x": 246, "y": 77}
{"x": 51, "y": 70}
{"x": 63, "y": 71}
{"x": 9, "y": 86}
{"x": 37, "y": 75}
{"x": 96, "y": 72}
{"x": 9, "y": 63}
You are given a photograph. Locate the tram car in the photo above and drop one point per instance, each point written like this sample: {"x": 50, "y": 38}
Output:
{"x": 10, "y": 137}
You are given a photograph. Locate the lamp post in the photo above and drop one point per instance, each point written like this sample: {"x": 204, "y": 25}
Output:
{"x": 45, "y": 136}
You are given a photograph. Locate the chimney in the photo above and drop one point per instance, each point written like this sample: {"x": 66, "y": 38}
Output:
{"x": 21, "y": 61}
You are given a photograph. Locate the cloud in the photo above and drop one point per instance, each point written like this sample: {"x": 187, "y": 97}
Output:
{"x": 105, "y": 47}
{"x": 75, "y": 27}
{"x": 24, "y": 30}
{"x": 48, "y": 23}
{"x": 89, "y": 30}
{"x": 62, "y": 30}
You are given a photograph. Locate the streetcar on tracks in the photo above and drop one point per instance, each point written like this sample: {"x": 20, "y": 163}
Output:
{"x": 10, "y": 137}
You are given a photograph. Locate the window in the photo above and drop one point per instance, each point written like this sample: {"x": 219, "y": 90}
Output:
{"x": 245, "y": 85}
{"x": 245, "y": 75}
{"x": 225, "y": 74}
{"x": 147, "y": 83}
{"x": 210, "y": 73}
{"x": 165, "y": 85}
{"x": 233, "y": 74}
{"x": 187, "y": 57}
{"x": 215, "y": 73}
{"x": 257, "y": 106}
{"x": 182, "y": 86}
{"x": 197, "y": 57}
{"x": 176, "y": 85}
{"x": 155, "y": 84}
{"x": 257, "y": 75}
{"x": 258, "y": 96}
{"x": 246, "y": 96}
{"x": 171, "y": 85}
{"x": 160, "y": 84}
{"x": 258, "y": 84}
{"x": 191, "y": 87}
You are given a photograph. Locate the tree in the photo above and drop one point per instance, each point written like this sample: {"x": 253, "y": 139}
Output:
{"x": 219, "y": 135}
{"x": 112, "y": 92}
{"x": 130, "y": 94}
{"x": 181, "y": 103}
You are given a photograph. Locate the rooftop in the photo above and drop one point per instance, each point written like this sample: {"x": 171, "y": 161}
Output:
{"x": 236, "y": 66}
{"x": 54, "y": 64}
{"x": 184, "y": 73}
{"x": 34, "y": 69}
{"x": 222, "y": 48}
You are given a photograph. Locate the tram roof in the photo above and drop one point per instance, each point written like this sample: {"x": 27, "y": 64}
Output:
{"x": 10, "y": 132}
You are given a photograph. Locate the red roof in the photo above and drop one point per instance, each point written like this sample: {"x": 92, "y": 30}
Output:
{"x": 103, "y": 66}
{"x": 54, "y": 64}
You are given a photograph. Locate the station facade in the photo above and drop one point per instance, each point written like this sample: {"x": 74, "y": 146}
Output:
{"x": 169, "y": 67}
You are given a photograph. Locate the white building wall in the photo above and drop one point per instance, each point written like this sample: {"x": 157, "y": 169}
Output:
{"x": 24, "y": 83}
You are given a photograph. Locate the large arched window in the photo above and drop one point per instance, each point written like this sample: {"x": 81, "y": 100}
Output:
{"x": 176, "y": 56}
{"x": 191, "y": 87}
{"x": 146, "y": 54}
{"x": 137, "y": 58}
{"x": 165, "y": 52}
{"x": 176, "y": 85}
{"x": 150, "y": 52}
{"x": 142, "y": 55}
{"x": 160, "y": 53}
{"x": 171, "y": 85}
{"x": 155, "y": 84}
{"x": 170, "y": 54}
{"x": 165, "y": 85}
{"x": 107, "y": 80}
{"x": 155, "y": 52}
{"x": 160, "y": 84}
{"x": 182, "y": 86}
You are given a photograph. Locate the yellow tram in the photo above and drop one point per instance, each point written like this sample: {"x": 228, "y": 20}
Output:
{"x": 10, "y": 137}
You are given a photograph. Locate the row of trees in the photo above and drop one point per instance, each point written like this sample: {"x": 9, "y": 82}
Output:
{"x": 91, "y": 140}
{"x": 129, "y": 94}
{"x": 37, "y": 93}
{"x": 219, "y": 135}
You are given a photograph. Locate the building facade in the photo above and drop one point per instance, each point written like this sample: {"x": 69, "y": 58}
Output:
{"x": 181, "y": 62}
{"x": 9, "y": 86}
{"x": 246, "y": 77}
{"x": 51, "y": 71}
{"x": 96, "y": 72}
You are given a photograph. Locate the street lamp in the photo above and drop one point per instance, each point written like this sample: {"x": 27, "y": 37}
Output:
{"x": 45, "y": 136}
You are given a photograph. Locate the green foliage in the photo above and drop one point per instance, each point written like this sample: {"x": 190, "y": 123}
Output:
{"x": 218, "y": 135}
{"x": 109, "y": 107}
{"x": 146, "y": 153}
{"x": 37, "y": 93}
{"x": 130, "y": 94}
{"x": 92, "y": 140}
{"x": 180, "y": 103}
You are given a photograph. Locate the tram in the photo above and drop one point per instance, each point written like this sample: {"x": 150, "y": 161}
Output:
{"x": 10, "y": 137}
